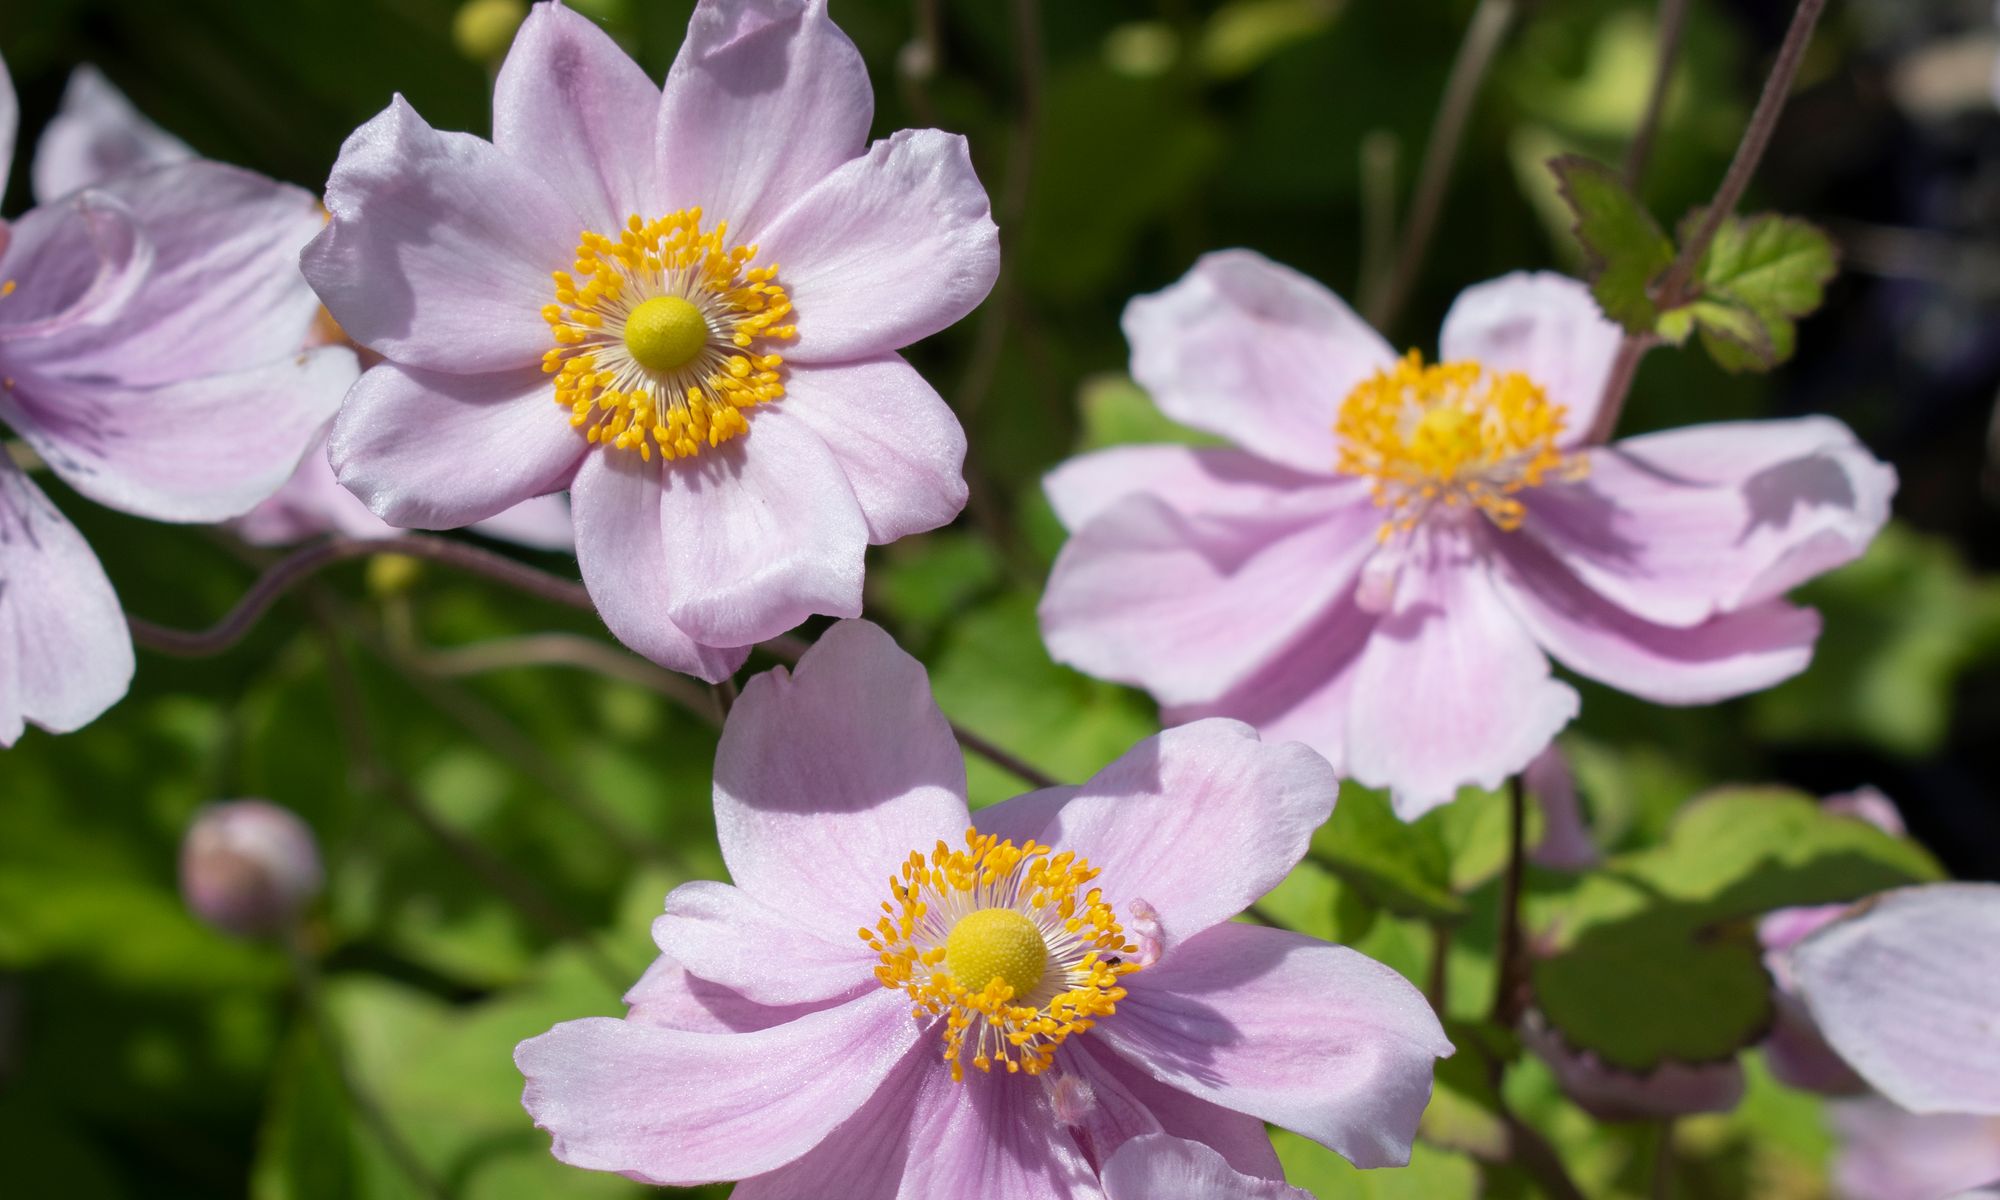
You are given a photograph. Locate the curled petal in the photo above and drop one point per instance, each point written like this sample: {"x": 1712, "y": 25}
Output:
{"x": 97, "y": 135}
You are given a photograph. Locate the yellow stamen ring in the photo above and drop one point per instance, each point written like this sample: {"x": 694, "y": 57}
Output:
{"x": 1005, "y": 944}
{"x": 664, "y": 335}
{"x": 1451, "y": 434}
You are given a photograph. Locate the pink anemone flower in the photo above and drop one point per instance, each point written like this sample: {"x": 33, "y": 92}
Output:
{"x": 1384, "y": 562}
{"x": 683, "y": 305}
{"x": 97, "y": 135}
{"x": 1033, "y": 986}
{"x": 150, "y": 333}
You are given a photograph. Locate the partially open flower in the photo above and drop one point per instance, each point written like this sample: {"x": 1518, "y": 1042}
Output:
{"x": 1387, "y": 560}
{"x": 249, "y": 867}
{"x": 901, "y": 998}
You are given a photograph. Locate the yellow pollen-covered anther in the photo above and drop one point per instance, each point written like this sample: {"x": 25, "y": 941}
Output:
{"x": 1452, "y": 435}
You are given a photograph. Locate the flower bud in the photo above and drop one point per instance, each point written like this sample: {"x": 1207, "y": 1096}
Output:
{"x": 249, "y": 867}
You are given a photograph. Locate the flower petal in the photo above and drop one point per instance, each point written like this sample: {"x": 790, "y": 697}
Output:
{"x": 1673, "y": 1089}
{"x": 828, "y": 777}
{"x": 75, "y": 266}
{"x": 899, "y": 444}
{"x": 435, "y": 450}
{"x": 764, "y": 100}
{"x": 1025, "y": 816}
{"x": 871, "y": 1153}
{"x": 1198, "y": 821}
{"x": 667, "y": 996}
{"x": 439, "y": 247}
{"x": 308, "y": 504}
{"x": 571, "y": 105}
{"x": 1457, "y": 692}
{"x": 724, "y": 936}
{"x": 1893, "y": 1155}
{"x": 1727, "y": 655}
{"x": 1193, "y": 481}
{"x": 890, "y": 248}
{"x": 622, "y": 553}
{"x": 1160, "y": 1167}
{"x": 10, "y": 122}
{"x": 671, "y": 1107}
{"x": 207, "y": 449}
{"x": 97, "y": 135}
{"x": 1546, "y": 326}
{"x": 1317, "y": 1038}
{"x": 1680, "y": 525}
{"x": 1228, "y": 591}
{"x": 1905, "y": 992}
{"x": 762, "y": 532}
{"x": 65, "y": 653}
{"x": 1254, "y": 351}
{"x": 1240, "y": 1138}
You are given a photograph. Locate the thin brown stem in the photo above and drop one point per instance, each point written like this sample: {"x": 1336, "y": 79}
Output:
{"x": 1674, "y": 288}
{"x": 724, "y": 694}
{"x": 1483, "y": 38}
{"x": 559, "y": 650}
{"x": 1673, "y": 20}
{"x": 1435, "y": 988}
{"x": 1018, "y": 768}
{"x": 1663, "y": 1161}
{"x": 1530, "y": 1151}
{"x": 1507, "y": 986}
{"x": 920, "y": 58}
{"x": 295, "y": 568}
{"x": 1379, "y": 152}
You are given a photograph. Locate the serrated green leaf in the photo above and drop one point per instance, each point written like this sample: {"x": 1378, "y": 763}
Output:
{"x": 1760, "y": 273}
{"x": 1655, "y": 955}
{"x": 1623, "y": 246}
{"x": 1738, "y": 338}
{"x": 1401, "y": 867}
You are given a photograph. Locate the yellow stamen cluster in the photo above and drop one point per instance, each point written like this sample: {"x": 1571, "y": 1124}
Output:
{"x": 663, "y": 336}
{"x": 1452, "y": 434}
{"x": 1052, "y": 953}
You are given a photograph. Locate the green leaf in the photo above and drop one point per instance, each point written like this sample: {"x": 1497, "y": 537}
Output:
{"x": 1624, "y": 249}
{"x": 1655, "y": 955}
{"x": 1401, "y": 867}
{"x": 1757, "y": 277}
{"x": 1474, "y": 831}
{"x": 305, "y": 1150}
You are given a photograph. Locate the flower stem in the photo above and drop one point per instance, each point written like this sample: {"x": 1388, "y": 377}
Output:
{"x": 1483, "y": 37}
{"x": 1673, "y": 289}
{"x": 1435, "y": 989}
{"x": 1673, "y": 20}
{"x": 1507, "y": 985}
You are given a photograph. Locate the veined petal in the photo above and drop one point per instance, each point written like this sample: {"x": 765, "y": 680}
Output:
{"x": 1240, "y": 1138}
{"x": 436, "y": 450}
{"x": 1889, "y": 1154}
{"x": 65, "y": 653}
{"x": 763, "y": 531}
{"x": 1256, "y": 352}
{"x": 1025, "y": 816}
{"x": 897, "y": 441}
{"x": 72, "y": 264}
{"x": 872, "y": 1152}
{"x": 97, "y": 135}
{"x": 667, "y": 996}
{"x": 1193, "y": 481}
{"x": 1317, "y": 1038}
{"x": 571, "y": 105}
{"x": 725, "y": 936}
{"x": 1160, "y": 1167}
{"x": 206, "y": 449}
{"x": 10, "y": 122}
{"x": 993, "y": 1137}
{"x": 1905, "y": 990}
{"x": 764, "y": 100}
{"x": 1198, "y": 821}
{"x": 1547, "y": 327}
{"x": 621, "y": 551}
{"x": 828, "y": 777}
{"x": 439, "y": 248}
{"x": 672, "y": 1107}
{"x": 888, "y": 249}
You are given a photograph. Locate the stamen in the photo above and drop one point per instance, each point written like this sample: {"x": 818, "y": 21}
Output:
{"x": 1451, "y": 434}
{"x": 663, "y": 336}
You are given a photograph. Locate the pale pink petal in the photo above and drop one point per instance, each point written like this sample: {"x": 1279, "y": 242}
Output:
{"x": 1159, "y": 1167}
{"x": 97, "y": 135}
{"x": 440, "y": 247}
{"x": 539, "y": 523}
{"x": 1193, "y": 481}
{"x": 1567, "y": 844}
{"x": 436, "y": 450}
{"x": 1256, "y": 352}
{"x": 1609, "y": 1093}
{"x": 65, "y": 654}
{"x": 1908, "y": 992}
{"x": 993, "y": 1137}
{"x": 666, "y": 995}
{"x": 1240, "y": 1139}
{"x": 1454, "y": 691}
{"x": 75, "y": 266}
{"x": 310, "y": 503}
{"x": 765, "y": 99}
{"x": 1889, "y": 1154}
{"x": 827, "y": 778}
{"x": 1188, "y": 607}
{"x": 725, "y": 936}
{"x": 1545, "y": 326}
{"x": 672, "y": 1107}
{"x": 1317, "y": 1038}
{"x": 1727, "y": 655}
{"x": 762, "y": 532}
{"x": 571, "y": 105}
{"x": 1027, "y": 815}
{"x": 10, "y": 121}
{"x": 897, "y": 441}
{"x": 871, "y": 1153}
{"x": 1868, "y": 804}
{"x": 890, "y": 248}
{"x": 203, "y": 450}
{"x": 1198, "y": 821}
{"x": 1678, "y": 526}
